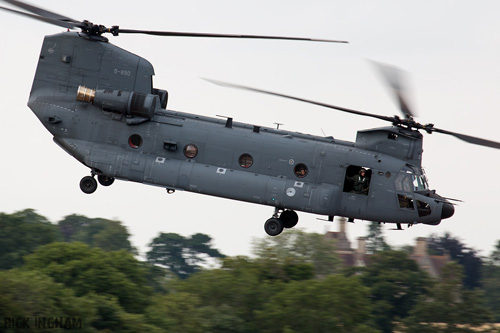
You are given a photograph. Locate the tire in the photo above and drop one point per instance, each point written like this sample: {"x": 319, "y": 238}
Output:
{"x": 289, "y": 218}
{"x": 273, "y": 227}
{"x": 88, "y": 185}
{"x": 105, "y": 180}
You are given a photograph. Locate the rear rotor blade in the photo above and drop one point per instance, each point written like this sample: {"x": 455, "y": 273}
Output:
{"x": 39, "y": 11}
{"x": 360, "y": 113}
{"x": 195, "y": 34}
{"x": 43, "y": 19}
{"x": 470, "y": 139}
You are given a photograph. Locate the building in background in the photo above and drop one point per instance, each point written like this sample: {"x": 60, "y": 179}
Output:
{"x": 358, "y": 256}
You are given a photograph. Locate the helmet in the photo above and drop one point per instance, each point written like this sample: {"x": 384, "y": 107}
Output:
{"x": 362, "y": 170}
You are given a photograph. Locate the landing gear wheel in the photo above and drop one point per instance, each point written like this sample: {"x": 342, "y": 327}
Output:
{"x": 105, "y": 180}
{"x": 88, "y": 185}
{"x": 273, "y": 226}
{"x": 289, "y": 218}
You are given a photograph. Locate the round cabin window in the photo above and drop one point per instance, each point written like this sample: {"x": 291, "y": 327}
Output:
{"x": 245, "y": 160}
{"x": 190, "y": 150}
{"x": 135, "y": 141}
{"x": 300, "y": 170}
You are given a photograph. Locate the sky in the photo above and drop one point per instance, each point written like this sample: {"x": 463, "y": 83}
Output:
{"x": 450, "y": 51}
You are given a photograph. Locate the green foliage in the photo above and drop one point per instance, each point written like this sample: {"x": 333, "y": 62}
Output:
{"x": 241, "y": 285}
{"x": 31, "y": 294}
{"x": 495, "y": 255}
{"x": 111, "y": 317}
{"x": 292, "y": 285}
{"x": 395, "y": 283}
{"x": 92, "y": 270}
{"x": 242, "y": 297}
{"x": 182, "y": 256}
{"x": 449, "y": 307}
{"x": 184, "y": 312}
{"x": 106, "y": 234}
{"x": 491, "y": 283}
{"x": 334, "y": 304}
{"x": 175, "y": 312}
{"x": 292, "y": 255}
{"x": 22, "y": 232}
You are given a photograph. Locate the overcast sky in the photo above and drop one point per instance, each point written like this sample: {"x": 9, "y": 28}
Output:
{"x": 450, "y": 50}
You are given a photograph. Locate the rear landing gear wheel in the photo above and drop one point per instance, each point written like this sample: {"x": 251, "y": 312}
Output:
{"x": 289, "y": 218}
{"x": 273, "y": 226}
{"x": 105, "y": 180}
{"x": 88, "y": 185}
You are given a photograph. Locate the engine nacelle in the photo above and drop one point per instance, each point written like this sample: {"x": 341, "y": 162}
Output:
{"x": 127, "y": 102}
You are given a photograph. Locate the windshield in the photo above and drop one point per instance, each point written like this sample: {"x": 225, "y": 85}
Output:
{"x": 420, "y": 182}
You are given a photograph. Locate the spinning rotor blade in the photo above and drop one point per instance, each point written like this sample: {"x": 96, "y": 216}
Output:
{"x": 195, "y": 34}
{"x": 359, "y": 113}
{"x": 97, "y": 30}
{"x": 470, "y": 139}
{"x": 59, "y": 23}
{"x": 393, "y": 76}
{"x": 395, "y": 120}
{"x": 39, "y": 11}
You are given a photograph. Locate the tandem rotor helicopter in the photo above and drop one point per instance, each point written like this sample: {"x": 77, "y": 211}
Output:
{"x": 99, "y": 103}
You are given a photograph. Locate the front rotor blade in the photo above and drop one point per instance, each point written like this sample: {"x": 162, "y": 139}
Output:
{"x": 43, "y": 19}
{"x": 470, "y": 139}
{"x": 39, "y": 11}
{"x": 210, "y": 35}
{"x": 360, "y": 113}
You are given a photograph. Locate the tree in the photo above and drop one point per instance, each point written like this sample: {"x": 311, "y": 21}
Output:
{"x": 175, "y": 312}
{"x": 182, "y": 256}
{"x": 89, "y": 270}
{"x": 293, "y": 254}
{"x": 29, "y": 294}
{"x": 465, "y": 256}
{"x": 241, "y": 285}
{"x": 495, "y": 255}
{"x": 375, "y": 241}
{"x": 395, "y": 283}
{"x": 491, "y": 282}
{"x": 22, "y": 232}
{"x": 241, "y": 297}
{"x": 334, "y": 304}
{"x": 449, "y": 307}
{"x": 107, "y": 234}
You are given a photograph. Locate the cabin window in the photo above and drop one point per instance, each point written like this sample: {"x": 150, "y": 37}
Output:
{"x": 300, "y": 170}
{"x": 190, "y": 150}
{"x": 357, "y": 179}
{"x": 405, "y": 202}
{"x": 135, "y": 141}
{"x": 245, "y": 160}
{"x": 423, "y": 208}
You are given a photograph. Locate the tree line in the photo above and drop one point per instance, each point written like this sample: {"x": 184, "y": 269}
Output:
{"x": 87, "y": 269}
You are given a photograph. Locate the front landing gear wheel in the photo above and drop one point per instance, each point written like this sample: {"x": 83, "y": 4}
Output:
{"x": 273, "y": 226}
{"x": 88, "y": 185}
{"x": 105, "y": 181}
{"x": 289, "y": 218}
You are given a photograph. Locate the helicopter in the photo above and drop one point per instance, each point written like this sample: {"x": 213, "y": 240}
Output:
{"x": 99, "y": 103}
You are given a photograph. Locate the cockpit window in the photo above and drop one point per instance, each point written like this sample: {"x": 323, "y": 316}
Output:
{"x": 403, "y": 182}
{"x": 420, "y": 182}
{"x": 408, "y": 182}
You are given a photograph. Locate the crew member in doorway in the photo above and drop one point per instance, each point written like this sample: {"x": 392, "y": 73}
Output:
{"x": 360, "y": 182}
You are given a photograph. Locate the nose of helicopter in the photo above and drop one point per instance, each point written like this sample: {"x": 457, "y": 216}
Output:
{"x": 447, "y": 211}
